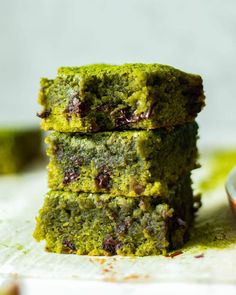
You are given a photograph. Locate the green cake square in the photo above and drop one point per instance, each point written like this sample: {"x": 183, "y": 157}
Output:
{"x": 131, "y": 96}
{"x": 101, "y": 224}
{"x": 18, "y": 147}
{"x": 128, "y": 163}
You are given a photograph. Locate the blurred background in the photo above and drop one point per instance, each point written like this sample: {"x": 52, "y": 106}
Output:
{"x": 39, "y": 36}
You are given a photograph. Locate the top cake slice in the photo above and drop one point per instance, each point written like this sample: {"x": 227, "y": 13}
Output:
{"x": 131, "y": 96}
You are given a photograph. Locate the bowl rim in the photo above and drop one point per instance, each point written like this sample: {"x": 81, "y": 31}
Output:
{"x": 230, "y": 187}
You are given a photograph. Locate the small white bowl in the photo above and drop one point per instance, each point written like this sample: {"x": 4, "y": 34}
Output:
{"x": 230, "y": 187}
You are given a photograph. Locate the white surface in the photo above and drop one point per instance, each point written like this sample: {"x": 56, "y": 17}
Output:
{"x": 35, "y": 287}
{"x": 197, "y": 36}
{"x": 39, "y": 287}
{"x": 22, "y": 196}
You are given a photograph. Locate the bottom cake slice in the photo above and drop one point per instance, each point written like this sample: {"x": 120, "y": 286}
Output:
{"x": 101, "y": 224}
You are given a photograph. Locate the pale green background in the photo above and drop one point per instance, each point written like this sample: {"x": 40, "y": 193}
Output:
{"x": 36, "y": 37}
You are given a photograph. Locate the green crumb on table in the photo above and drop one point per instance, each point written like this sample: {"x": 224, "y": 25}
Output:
{"x": 18, "y": 148}
{"x": 131, "y": 96}
{"x": 101, "y": 224}
{"x": 129, "y": 163}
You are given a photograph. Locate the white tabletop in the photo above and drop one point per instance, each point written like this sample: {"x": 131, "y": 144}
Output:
{"x": 38, "y": 271}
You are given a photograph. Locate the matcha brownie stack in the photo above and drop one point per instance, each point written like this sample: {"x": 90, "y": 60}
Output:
{"x": 121, "y": 154}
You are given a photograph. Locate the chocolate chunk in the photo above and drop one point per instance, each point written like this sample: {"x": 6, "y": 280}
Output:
{"x": 173, "y": 255}
{"x": 122, "y": 116}
{"x": 150, "y": 111}
{"x": 77, "y": 107}
{"x": 68, "y": 244}
{"x": 102, "y": 180}
{"x": 114, "y": 215}
{"x": 44, "y": 114}
{"x": 126, "y": 116}
{"x": 199, "y": 256}
{"x": 139, "y": 188}
{"x": 70, "y": 175}
{"x": 109, "y": 245}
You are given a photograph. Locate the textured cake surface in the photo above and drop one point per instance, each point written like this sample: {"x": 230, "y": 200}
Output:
{"x": 101, "y": 224}
{"x": 18, "y": 147}
{"x": 129, "y": 163}
{"x": 131, "y": 96}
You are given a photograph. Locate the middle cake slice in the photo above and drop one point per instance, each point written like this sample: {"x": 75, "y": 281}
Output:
{"x": 129, "y": 163}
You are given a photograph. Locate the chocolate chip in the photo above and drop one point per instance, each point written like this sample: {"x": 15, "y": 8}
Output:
{"x": 173, "y": 255}
{"x": 199, "y": 256}
{"x": 75, "y": 106}
{"x": 75, "y": 161}
{"x": 68, "y": 244}
{"x": 114, "y": 215}
{"x": 150, "y": 111}
{"x": 122, "y": 116}
{"x": 109, "y": 245}
{"x": 126, "y": 116}
{"x": 139, "y": 189}
{"x": 102, "y": 180}
{"x": 70, "y": 175}
{"x": 43, "y": 114}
